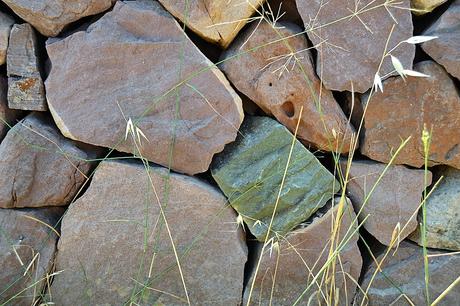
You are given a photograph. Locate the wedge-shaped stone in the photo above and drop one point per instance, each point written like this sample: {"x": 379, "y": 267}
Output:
{"x": 186, "y": 108}
{"x": 119, "y": 220}
{"x": 350, "y": 37}
{"x": 282, "y": 83}
{"x": 402, "y": 111}
{"x": 250, "y": 172}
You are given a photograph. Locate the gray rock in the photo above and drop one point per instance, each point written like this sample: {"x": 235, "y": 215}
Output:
{"x": 8, "y": 116}
{"x": 250, "y": 171}
{"x": 25, "y": 85}
{"x": 350, "y": 48}
{"x": 6, "y": 22}
{"x": 114, "y": 241}
{"x": 133, "y": 73}
{"x": 39, "y": 166}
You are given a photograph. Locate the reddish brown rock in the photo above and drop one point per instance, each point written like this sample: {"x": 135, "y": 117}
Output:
{"x": 39, "y": 166}
{"x": 302, "y": 254}
{"x": 25, "y": 243}
{"x": 119, "y": 220}
{"x": 446, "y": 48}
{"x": 49, "y": 17}
{"x": 395, "y": 198}
{"x": 8, "y": 116}
{"x": 403, "y": 109}
{"x": 217, "y": 21}
{"x": 280, "y": 78}
{"x": 350, "y": 48}
{"x": 6, "y": 22}
{"x": 133, "y": 73}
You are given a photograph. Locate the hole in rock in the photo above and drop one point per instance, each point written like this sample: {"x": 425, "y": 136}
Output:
{"x": 270, "y": 84}
{"x": 288, "y": 109}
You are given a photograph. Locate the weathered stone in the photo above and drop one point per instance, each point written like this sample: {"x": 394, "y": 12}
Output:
{"x": 26, "y": 243}
{"x": 6, "y": 22}
{"x": 217, "y": 21}
{"x": 184, "y": 106}
{"x": 403, "y": 109}
{"x": 421, "y": 7}
{"x": 25, "y": 85}
{"x": 282, "y": 83}
{"x": 49, "y": 17}
{"x": 442, "y": 212}
{"x": 8, "y": 116}
{"x": 119, "y": 220}
{"x": 395, "y": 198}
{"x": 403, "y": 278}
{"x": 349, "y": 47}
{"x": 446, "y": 48}
{"x": 39, "y": 166}
{"x": 250, "y": 171}
{"x": 301, "y": 256}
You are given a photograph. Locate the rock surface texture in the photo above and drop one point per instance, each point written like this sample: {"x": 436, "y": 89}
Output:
{"x": 25, "y": 85}
{"x": 26, "y": 240}
{"x": 39, "y": 166}
{"x": 301, "y": 256}
{"x": 446, "y": 48}
{"x": 403, "y": 274}
{"x": 281, "y": 79}
{"x": 198, "y": 111}
{"x": 119, "y": 219}
{"x": 395, "y": 198}
{"x": 250, "y": 172}
{"x": 49, "y": 17}
{"x": 403, "y": 109}
{"x": 217, "y": 21}
{"x": 442, "y": 213}
{"x": 340, "y": 38}
{"x": 6, "y": 22}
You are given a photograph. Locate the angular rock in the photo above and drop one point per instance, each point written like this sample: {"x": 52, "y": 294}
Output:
{"x": 403, "y": 274}
{"x": 442, "y": 217}
{"x": 394, "y": 200}
{"x": 301, "y": 256}
{"x": 49, "y": 17}
{"x": 118, "y": 218}
{"x": 217, "y": 21}
{"x": 250, "y": 171}
{"x": 26, "y": 240}
{"x": 403, "y": 109}
{"x": 6, "y": 22}
{"x": 39, "y": 166}
{"x": 446, "y": 48}
{"x": 421, "y": 7}
{"x": 8, "y": 116}
{"x": 134, "y": 72}
{"x": 350, "y": 48}
{"x": 25, "y": 85}
{"x": 282, "y": 85}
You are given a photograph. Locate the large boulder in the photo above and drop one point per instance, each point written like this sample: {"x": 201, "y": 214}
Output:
{"x": 250, "y": 172}
{"x": 185, "y": 107}
{"x": 280, "y": 78}
{"x": 6, "y": 22}
{"x": 49, "y": 17}
{"x": 39, "y": 166}
{"x": 402, "y": 111}
{"x": 27, "y": 246}
{"x": 350, "y": 47}
{"x": 131, "y": 257}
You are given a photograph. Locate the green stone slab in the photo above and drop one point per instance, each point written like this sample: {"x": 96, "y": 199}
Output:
{"x": 249, "y": 171}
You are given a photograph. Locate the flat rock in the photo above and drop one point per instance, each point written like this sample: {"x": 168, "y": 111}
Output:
{"x": 403, "y": 274}
{"x": 250, "y": 171}
{"x": 26, "y": 240}
{"x": 403, "y": 109}
{"x": 39, "y": 166}
{"x": 49, "y": 17}
{"x": 25, "y": 85}
{"x": 350, "y": 48}
{"x": 442, "y": 216}
{"x": 6, "y": 22}
{"x": 446, "y": 48}
{"x": 137, "y": 73}
{"x": 395, "y": 198}
{"x": 281, "y": 83}
{"x": 8, "y": 116}
{"x": 118, "y": 218}
{"x": 421, "y": 7}
{"x": 301, "y": 256}
{"x": 217, "y": 21}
